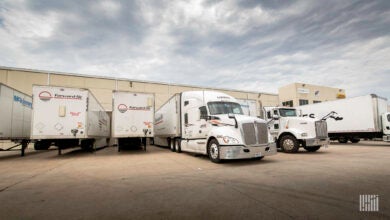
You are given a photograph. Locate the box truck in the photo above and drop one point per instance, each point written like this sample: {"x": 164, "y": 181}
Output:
{"x": 249, "y": 107}
{"x": 213, "y": 124}
{"x": 15, "y": 117}
{"x": 132, "y": 118}
{"x": 67, "y": 117}
{"x": 362, "y": 117}
{"x": 290, "y": 131}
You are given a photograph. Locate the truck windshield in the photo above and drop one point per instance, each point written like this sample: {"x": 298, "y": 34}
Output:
{"x": 218, "y": 108}
{"x": 288, "y": 112}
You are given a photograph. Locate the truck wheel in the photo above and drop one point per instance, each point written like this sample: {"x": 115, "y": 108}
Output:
{"x": 355, "y": 140}
{"x": 312, "y": 148}
{"x": 178, "y": 146}
{"x": 171, "y": 144}
{"x": 289, "y": 144}
{"x": 213, "y": 151}
{"x": 342, "y": 140}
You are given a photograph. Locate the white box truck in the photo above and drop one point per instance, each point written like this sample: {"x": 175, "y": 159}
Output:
{"x": 213, "y": 124}
{"x": 15, "y": 117}
{"x": 362, "y": 117}
{"x": 291, "y": 131}
{"x": 132, "y": 118}
{"x": 67, "y": 117}
{"x": 249, "y": 107}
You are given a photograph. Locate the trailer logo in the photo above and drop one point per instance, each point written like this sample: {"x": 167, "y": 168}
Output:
{"x": 22, "y": 101}
{"x": 45, "y": 96}
{"x": 122, "y": 108}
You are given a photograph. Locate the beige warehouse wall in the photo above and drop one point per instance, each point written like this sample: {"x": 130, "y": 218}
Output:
{"x": 312, "y": 93}
{"x": 102, "y": 87}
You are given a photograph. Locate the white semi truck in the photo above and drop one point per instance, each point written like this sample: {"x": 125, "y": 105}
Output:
{"x": 213, "y": 124}
{"x": 15, "y": 117}
{"x": 132, "y": 118}
{"x": 363, "y": 117}
{"x": 67, "y": 117}
{"x": 291, "y": 132}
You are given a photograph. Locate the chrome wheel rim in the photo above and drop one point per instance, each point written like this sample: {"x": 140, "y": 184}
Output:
{"x": 288, "y": 144}
{"x": 214, "y": 151}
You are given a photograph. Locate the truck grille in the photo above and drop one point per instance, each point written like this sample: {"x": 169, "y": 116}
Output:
{"x": 255, "y": 133}
{"x": 321, "y": 129}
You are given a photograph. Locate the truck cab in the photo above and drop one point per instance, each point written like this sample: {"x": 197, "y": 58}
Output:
{"x": 214, "y": 124}
{"x": 290, "y": 131}
{"x": 386, "y": 126}
{"x": 211, "y": 123}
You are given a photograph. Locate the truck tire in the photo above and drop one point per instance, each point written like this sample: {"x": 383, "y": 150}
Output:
{"x": 178, "y": 146}
{"x": 312, "y": 148}
{"x": 171, "y": 144}
{"x": 289, "y": 144}
{"x": 213, "y": 151}
{"x": 354, "y": 140}
{"x": 342, "y": 140}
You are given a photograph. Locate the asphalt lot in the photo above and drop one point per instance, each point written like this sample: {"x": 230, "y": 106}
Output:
{"x": 160, "y": 184}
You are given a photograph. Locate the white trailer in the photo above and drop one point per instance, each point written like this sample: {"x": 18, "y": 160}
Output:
{"x": 67, "y": 117}
{"x": 213, "y": 124}
{"x": 132, "y": 118}
{"x": 249, "y": 107}
{"x": 15, "y": 117}
{"x": 363, "y": 117}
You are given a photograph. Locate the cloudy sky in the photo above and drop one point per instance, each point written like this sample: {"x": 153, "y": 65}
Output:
{"x": 246, "y": 45}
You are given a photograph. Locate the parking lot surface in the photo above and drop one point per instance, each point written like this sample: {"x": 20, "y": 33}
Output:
{"x": 160, "y": 184}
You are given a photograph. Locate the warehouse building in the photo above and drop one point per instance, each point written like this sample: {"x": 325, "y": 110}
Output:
{"x": 102, "y": 87}
{"x": 297, "y": 94}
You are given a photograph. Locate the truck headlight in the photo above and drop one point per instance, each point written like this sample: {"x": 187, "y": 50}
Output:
{"x": 304, "y": 134}
{"x": 229, "y": 140}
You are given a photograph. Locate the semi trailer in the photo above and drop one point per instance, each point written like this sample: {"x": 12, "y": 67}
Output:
{"x": 15, "y": 118}
{"x": 362, "y": 117}
{"x": 213, "y": 124}
{"x": 132, "y": 118}
{"x": 249, "y": 107}
{"x": 290, "y": 131}
{"x": 67, "y": 117}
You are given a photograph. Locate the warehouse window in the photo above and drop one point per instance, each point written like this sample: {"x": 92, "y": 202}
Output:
{"x": 303, "y": 101}
{"x": 288, "y": 103}
{"x": 316, "y": 101}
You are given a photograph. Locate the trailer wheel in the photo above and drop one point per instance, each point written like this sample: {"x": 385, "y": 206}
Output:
{"x": 289, "y": 144}
{"x": 343, "y": 140}
{"x": 171, "y": 144}
{"x": 178, "y": 145}
{"x": 312, "y": 148}
{"x": 213, "y": 151}
{"x": 354, "y": 140}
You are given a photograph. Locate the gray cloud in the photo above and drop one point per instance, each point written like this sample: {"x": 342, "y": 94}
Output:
{"x": 250, "y": 45}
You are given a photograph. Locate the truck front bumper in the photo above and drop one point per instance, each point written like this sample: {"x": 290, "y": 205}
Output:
{"x": 244, "y": 152}
{"x": 316, "y": 142}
